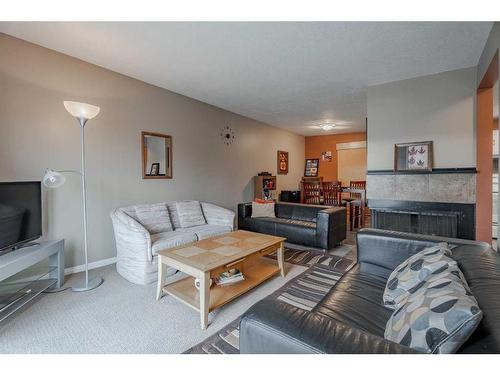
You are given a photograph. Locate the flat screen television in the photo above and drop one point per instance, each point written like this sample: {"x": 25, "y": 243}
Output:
{"x": 20, "y": 213}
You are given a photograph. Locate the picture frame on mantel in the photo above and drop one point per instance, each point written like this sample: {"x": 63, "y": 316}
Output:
{"x": 413, "y": 157}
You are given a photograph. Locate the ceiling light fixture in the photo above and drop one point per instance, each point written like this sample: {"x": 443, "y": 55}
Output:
{"x": 327, "y": 126}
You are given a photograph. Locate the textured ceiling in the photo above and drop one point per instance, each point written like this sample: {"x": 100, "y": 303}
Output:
{"x": 290, "y": 75}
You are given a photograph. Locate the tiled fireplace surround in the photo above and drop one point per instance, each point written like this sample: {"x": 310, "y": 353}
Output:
{"x": 434, "y": 187}
{"x": 437, "y": 191}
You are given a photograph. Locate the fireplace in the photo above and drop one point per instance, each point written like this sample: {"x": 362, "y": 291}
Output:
{"x": 440, "y": 203}
{"x": 434, "y": 218}
{"x": 436, "y": 223}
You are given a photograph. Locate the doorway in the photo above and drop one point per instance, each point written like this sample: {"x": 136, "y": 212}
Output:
{"x": 351, "y": 162}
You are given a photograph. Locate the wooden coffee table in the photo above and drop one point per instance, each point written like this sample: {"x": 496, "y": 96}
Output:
{"x": 208, "y": 258}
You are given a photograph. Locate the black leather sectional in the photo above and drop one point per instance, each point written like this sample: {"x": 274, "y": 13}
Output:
{"x": 308, "y": 225}
{"x": 351, "y": 318}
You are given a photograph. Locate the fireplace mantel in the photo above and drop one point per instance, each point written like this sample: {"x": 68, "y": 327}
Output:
{"x": 434, "y": 171}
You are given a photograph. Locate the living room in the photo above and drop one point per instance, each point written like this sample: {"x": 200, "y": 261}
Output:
{"x": 182, "y": 194}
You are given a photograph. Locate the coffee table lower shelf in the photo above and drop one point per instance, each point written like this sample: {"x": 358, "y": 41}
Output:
{"x": 255, "y": 273}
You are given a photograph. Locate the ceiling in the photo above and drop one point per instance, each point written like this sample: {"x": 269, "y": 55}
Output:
{"x": 293, "y": 75}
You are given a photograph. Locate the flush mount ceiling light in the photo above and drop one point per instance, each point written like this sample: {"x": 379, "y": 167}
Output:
{"x": 327, "y": 126}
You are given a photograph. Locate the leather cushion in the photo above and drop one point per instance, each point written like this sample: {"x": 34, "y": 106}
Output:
{"x": 296, "y": 231}
{"x": 481, "y": 268}
{"x": 264, "y": 225}
{"x": 299, "y": 223}
{"x": 356, "y": 300}
{"x": 303, "y": 212}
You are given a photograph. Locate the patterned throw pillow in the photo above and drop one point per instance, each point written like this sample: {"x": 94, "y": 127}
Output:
{"x": 190, "y": 214}
{"x": 154, "y": 217}
{"x": 438, "y": 318}
{"x": 410, "y": 275}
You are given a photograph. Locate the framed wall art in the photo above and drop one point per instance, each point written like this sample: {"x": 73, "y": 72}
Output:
{"x": 326, "y": 156}
{"x": 414, "y": 156}
{"x": 311, "y": 169}
{"x": 282, "y": 162}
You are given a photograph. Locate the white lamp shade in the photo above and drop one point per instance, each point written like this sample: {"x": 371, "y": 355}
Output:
{"x": 81, "y": 110}
{"x": 53, "y": 179}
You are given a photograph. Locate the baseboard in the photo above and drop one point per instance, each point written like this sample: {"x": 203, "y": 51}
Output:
{"x": 97, "y": 264}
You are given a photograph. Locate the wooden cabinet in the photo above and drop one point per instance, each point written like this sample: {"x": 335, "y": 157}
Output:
{"x": 263, "y": 184}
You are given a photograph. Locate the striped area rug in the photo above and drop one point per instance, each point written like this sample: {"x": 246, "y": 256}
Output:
{"x": 307, "y": 290}
{"x": 310, "y": 258}
{"x": 304, "y": 292}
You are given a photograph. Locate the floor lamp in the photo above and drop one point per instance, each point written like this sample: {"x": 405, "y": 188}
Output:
{"x": 54, "y": 179}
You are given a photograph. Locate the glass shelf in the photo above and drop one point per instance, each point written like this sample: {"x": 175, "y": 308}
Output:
{"x": 21, "y": 288}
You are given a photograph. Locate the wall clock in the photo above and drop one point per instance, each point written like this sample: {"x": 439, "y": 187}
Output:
{"x": 227, "y": 135}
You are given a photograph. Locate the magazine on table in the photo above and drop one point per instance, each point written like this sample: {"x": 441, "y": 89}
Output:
{"x": 229, "y": 277}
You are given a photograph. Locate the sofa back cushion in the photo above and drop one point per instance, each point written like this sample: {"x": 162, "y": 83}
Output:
{"x": 172, "y": 210}
{"x": 174, "y": 216}
{"x": 190, "y": 214}
{"x": 154, "y": 217}
{"x": 130, "y": 211}
{"x": 295, "y": 211}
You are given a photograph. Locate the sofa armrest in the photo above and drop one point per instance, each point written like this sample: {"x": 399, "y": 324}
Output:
{"x": 132, "y": 239}
{"x": 278, "y": 328}
{"x": 388, "y": 249}
{"x": 331, "y": 227}
{"x": 244, "y": 212}
{"x": 217, "y": 215}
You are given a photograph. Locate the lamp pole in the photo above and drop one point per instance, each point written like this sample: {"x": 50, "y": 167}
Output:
{"x": 83, "y": 112}
{"x": 82, "y": 122}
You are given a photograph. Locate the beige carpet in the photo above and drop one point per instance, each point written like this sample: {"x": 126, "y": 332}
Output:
{"x": 119, "y": 317}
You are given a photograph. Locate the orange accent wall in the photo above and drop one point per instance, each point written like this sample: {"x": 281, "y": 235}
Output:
{"x": 315, "y": 145}
{"x": 484, "y": 137}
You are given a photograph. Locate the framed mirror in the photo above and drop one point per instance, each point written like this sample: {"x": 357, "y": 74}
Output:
{"x": 156, "y": 155}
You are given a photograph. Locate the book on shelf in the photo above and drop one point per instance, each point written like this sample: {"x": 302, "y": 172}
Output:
{"x": 229, "y": 277}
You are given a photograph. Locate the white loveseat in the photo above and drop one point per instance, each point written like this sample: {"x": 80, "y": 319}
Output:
{"x": 136, "y": 247}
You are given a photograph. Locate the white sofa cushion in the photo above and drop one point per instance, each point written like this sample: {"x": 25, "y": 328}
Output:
{"x": 154, "y": 217}
{"x": 174, "y": 216}
{"x": 216, "y": 215}
{"x": 167, "y": 240}
{"x": 207, "y": 230}
{"x": 190, "y": 214}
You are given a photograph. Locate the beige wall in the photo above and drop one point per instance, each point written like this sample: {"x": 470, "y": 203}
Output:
{"x": 351, "y": 165}
{"x": 36, "y": 132}
{"x": 438, "y": 108}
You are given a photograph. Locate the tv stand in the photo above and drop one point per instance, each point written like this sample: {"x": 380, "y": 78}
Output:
{"x": 24, "y": 275}
{"x": 28, "y": 244}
